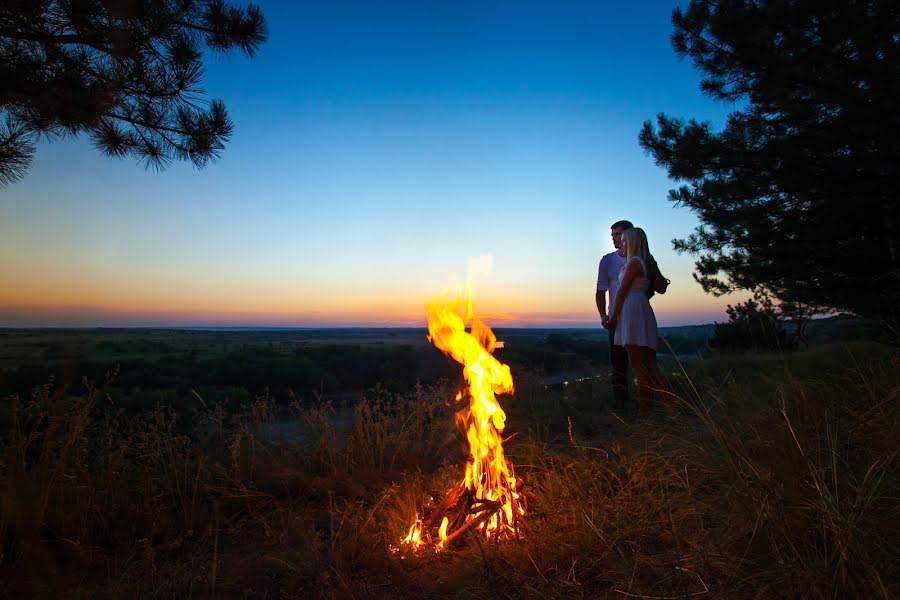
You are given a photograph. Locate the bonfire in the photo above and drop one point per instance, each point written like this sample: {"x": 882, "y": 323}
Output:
{"x": 488, "y": 500}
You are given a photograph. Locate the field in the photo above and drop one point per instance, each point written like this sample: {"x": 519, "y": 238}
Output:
{"x": 172, "y": 362}
{"x": 776, "y": 475}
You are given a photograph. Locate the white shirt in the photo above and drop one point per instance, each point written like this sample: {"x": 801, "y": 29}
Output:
{"x": 608, "y": 276}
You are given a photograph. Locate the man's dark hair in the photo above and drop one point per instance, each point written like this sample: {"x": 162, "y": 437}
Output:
{"x": 623, "y": 225}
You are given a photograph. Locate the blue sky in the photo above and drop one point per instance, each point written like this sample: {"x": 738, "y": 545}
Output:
{"x": 377, "y": 147}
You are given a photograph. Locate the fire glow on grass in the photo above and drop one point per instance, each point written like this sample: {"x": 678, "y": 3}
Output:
{"x": 488, "y": 500}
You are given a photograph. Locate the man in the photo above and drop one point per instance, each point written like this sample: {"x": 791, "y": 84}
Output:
{"x": 608, "y": 281}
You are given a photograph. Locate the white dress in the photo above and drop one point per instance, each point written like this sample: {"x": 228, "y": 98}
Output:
{"x": 637, "y": 323}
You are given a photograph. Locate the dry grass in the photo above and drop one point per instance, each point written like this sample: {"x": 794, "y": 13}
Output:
{"x": 777, "y": 477}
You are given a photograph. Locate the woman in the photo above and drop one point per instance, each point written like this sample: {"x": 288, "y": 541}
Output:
{"x": 634, "y": 321}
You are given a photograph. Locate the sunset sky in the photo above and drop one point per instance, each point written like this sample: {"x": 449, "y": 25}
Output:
{"x": 377, "y": 147}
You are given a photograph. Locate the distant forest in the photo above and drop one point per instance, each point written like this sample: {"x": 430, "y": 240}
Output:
{"x": 138, "y": 368}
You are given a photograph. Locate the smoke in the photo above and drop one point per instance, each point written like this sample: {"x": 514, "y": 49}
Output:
{"x": 479, "y": 267}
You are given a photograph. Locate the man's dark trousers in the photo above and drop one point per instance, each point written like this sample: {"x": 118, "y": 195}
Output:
{"x": 618, "y": 358}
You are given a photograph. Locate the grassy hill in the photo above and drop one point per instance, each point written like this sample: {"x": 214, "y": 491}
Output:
{"x": 775, "y": 477}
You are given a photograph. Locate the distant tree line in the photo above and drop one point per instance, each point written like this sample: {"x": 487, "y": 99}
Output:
{"x": 243, "y": 373}
{"x": 153, "y": 371}
{"x": 553, "y": 354}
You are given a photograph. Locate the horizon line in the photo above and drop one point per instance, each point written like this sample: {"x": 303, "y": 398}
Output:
{"x": 307, "y": 327}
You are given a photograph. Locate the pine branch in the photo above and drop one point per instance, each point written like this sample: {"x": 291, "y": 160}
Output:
{"x": 141, "y": 123}
{"x": 68, "y": 68}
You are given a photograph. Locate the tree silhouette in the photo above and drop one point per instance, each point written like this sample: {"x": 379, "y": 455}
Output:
{"x": 125, "y": 72}
{"x": 752, "y": 325}
{"x": 798, "y": 192}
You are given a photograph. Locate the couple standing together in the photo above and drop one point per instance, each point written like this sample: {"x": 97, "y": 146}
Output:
{"x": 626, "y": 275}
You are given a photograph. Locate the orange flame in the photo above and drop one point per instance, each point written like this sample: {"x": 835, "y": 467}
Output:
{"x": 489, "y": 478}
{"x": 414, "y": 537}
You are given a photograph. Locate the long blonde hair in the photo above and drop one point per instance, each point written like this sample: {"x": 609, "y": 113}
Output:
{"x": 636, "y": 245}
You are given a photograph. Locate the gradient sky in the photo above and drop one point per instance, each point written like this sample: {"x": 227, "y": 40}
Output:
{"x": 377, "y": 147}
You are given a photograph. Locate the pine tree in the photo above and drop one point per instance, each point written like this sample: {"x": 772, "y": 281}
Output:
{"x": 798, "y": 192}
{"x": 752, "y": 325}
{"x": 124, "y": 72}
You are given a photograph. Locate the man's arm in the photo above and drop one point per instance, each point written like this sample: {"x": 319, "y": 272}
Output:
{"x": 600, "y": 299}
{"x": 602, "y": 286}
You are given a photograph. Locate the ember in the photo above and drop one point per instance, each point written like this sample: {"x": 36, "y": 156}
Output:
{"x": 489, "y": 498}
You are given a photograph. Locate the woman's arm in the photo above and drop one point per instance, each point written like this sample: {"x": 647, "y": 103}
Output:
{"x": 633, "y": 270}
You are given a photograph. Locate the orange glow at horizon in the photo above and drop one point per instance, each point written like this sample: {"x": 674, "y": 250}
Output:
{"x": 400, "y": 311}
{"x": 141, "y": 298}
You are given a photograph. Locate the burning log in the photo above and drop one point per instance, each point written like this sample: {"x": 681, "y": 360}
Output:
{"x": 445, "y": 519}
{"x": 490, "y": 498}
